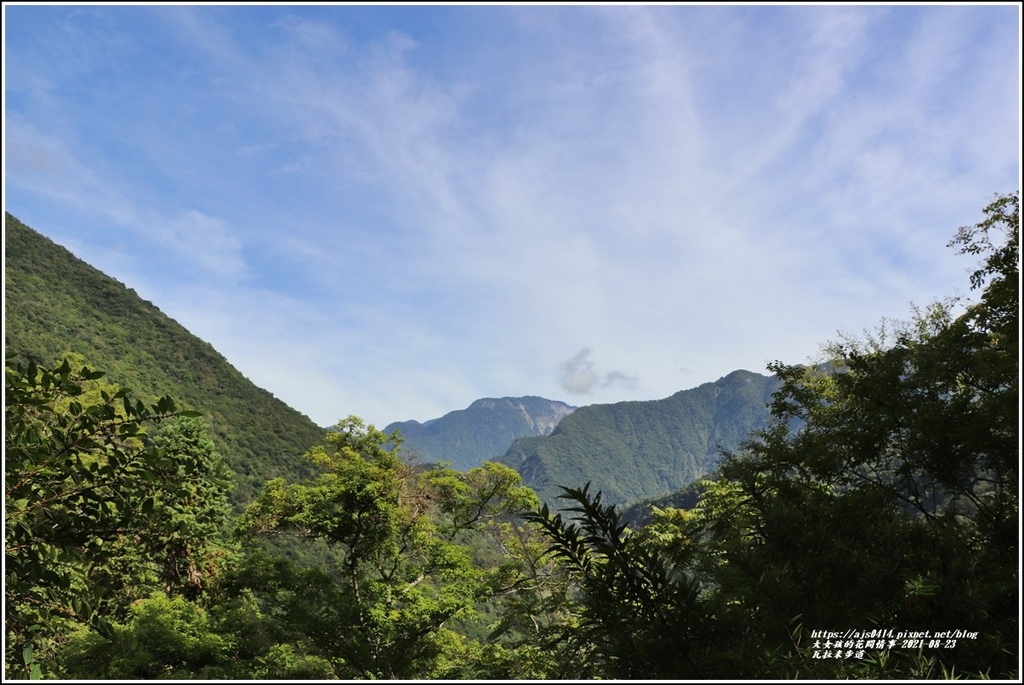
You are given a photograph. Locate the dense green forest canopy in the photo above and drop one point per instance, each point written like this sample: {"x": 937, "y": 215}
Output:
{"x": 870, "y": 530}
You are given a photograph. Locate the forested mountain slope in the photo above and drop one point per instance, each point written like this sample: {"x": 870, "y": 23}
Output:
{"x": 56, "y": 303}
{"x": 482, "y": 431}
{"x": 634, "y": 450}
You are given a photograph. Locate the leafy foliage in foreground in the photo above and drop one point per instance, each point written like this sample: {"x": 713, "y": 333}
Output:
{"x": 639, "y": 609}
{"x": 404, "y": 568}
{"x": 94, "y": 512}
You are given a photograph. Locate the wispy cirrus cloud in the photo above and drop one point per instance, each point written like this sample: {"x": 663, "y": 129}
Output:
{"x": 44, "y": 165}
{"x": 444, "y": 200}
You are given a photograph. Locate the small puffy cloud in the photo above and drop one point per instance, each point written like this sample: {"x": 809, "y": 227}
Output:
{"x": 580, "y": 377}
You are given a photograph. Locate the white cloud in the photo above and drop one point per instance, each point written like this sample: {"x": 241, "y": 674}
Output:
{"x": 578, "y": 374}
{"x": 43, "y": 164}
{"x": 434, "y": 217}
{"x": 620, "y": 379}
{"x": 40, "y": 162}
{"x": 208, "y": 241}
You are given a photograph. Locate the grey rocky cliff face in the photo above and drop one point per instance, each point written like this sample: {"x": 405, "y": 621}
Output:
{"x": 544, "y": 422}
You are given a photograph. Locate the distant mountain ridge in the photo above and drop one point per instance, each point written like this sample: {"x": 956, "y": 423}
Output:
{"x": 636, "y": 450}
{"x": 482, "y": 431}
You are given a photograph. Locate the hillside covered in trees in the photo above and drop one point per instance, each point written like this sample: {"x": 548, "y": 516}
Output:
{"x": 633, "y": 450}
{"x": 869, "y": 530}
{"x": 58, "y": 305}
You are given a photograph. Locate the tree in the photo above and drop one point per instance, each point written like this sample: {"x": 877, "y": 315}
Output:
{"x": 640, "y": 610}
{"x": 885, "y": 491}
{"x": 164, "y": 638}
{"x": 176, "y": 638}
{"x": 83, "y": 493}
{"x": 404, "y": 566}
{"x": 192, "y": 508}
{"x": 523, "y": 627}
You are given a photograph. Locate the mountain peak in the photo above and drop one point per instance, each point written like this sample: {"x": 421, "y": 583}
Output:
{"x": 482, "y": 431}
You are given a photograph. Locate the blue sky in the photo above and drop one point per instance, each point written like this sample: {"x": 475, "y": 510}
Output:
{"x": 391, "y": 211}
